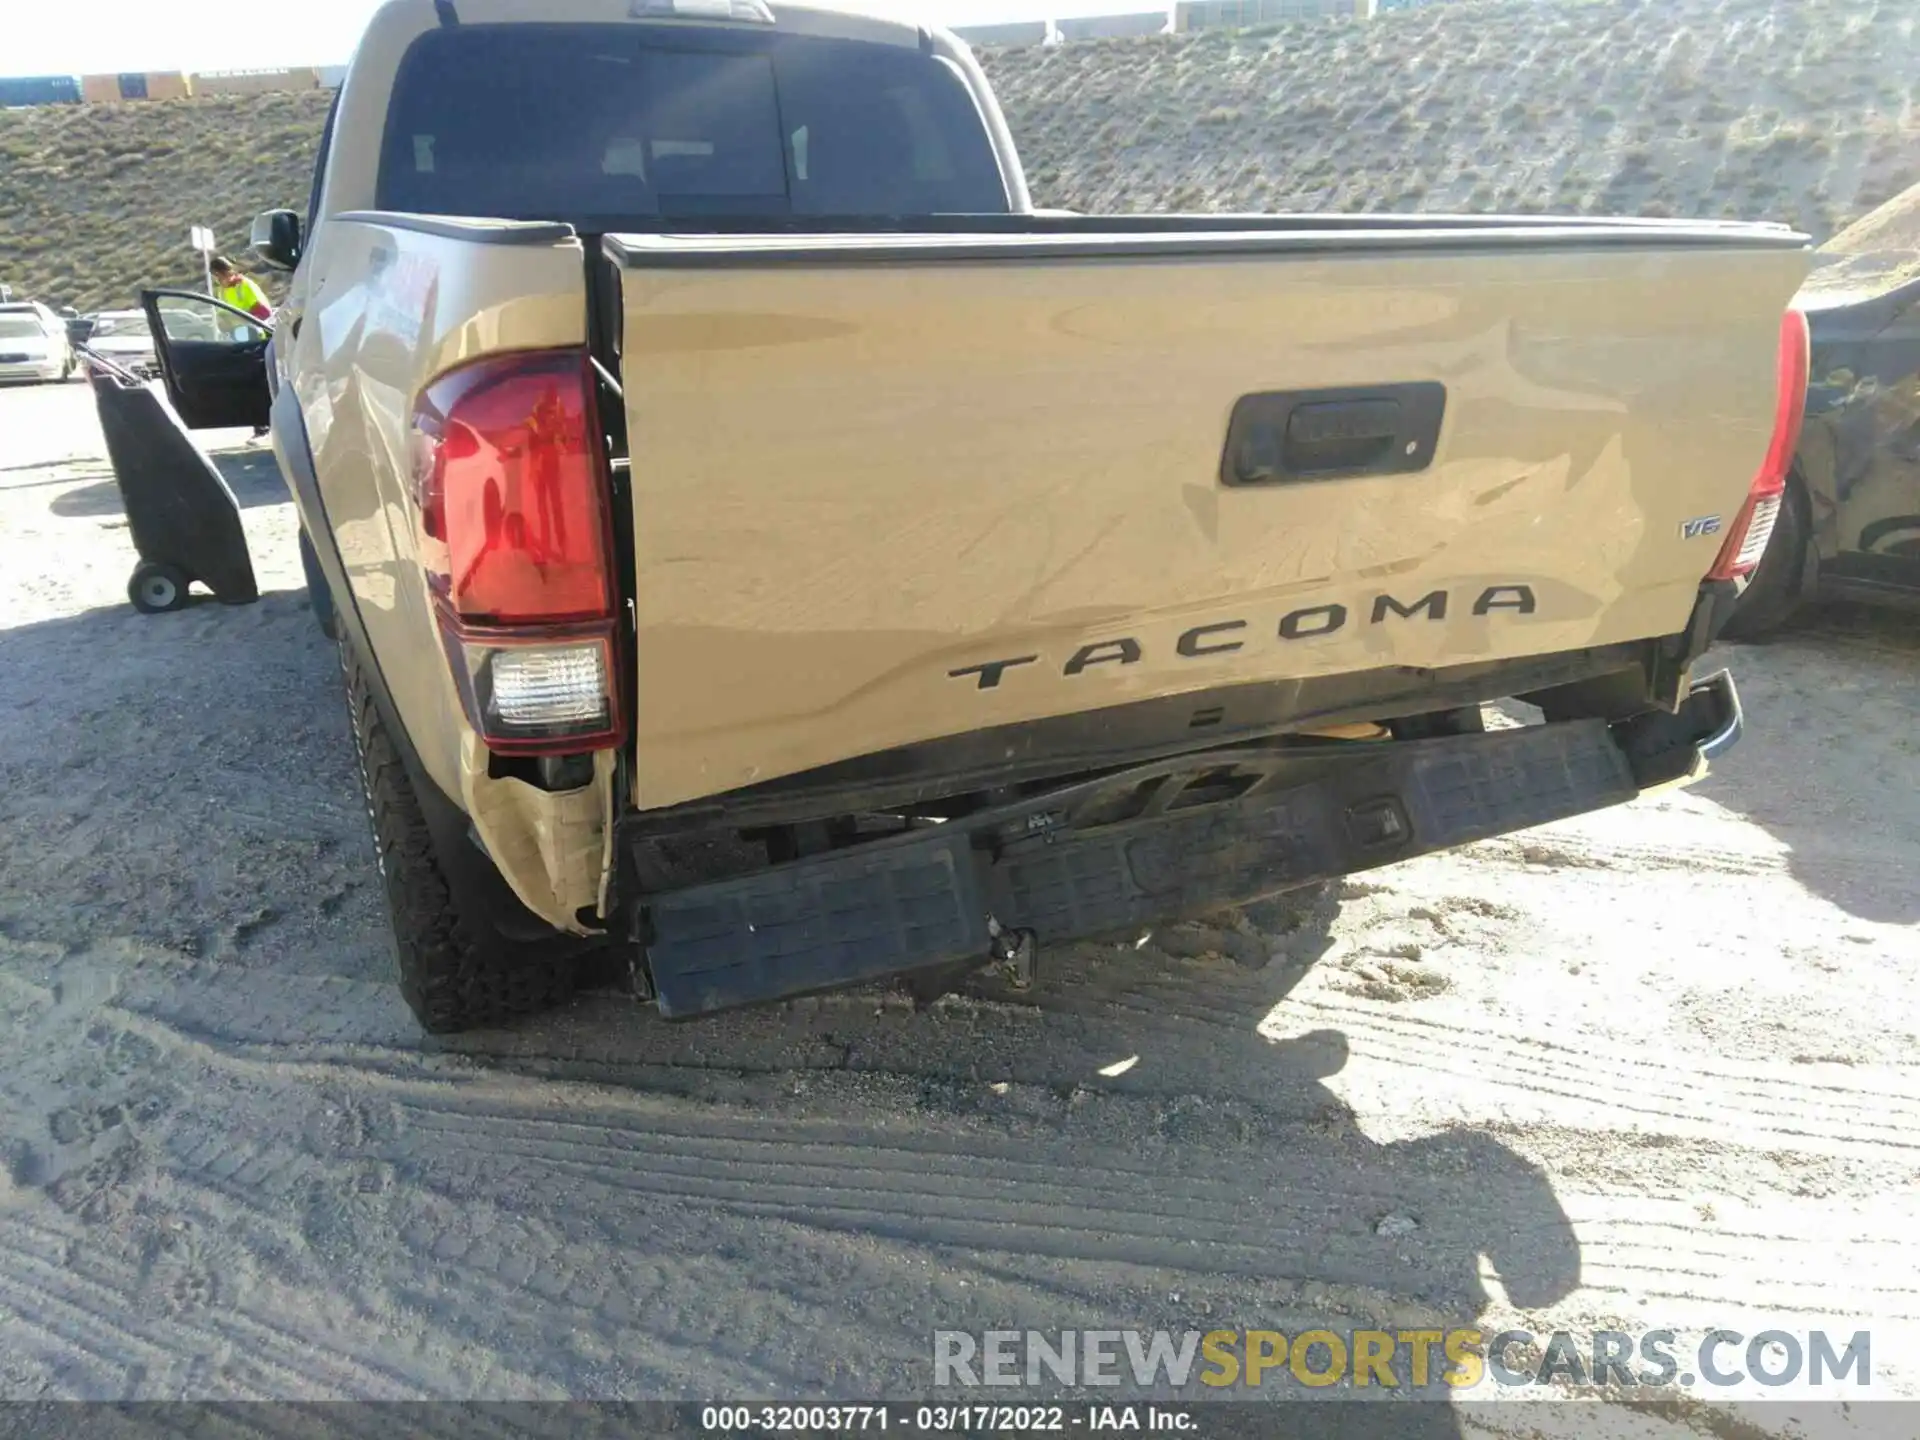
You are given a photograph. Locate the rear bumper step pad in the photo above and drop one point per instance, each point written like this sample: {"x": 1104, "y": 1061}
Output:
{"x": 1437, "y": 795}
{"x": 1147, "y": 846}
{"x": 837, "y": 919}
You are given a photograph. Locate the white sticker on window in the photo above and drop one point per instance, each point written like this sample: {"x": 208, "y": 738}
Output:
{"x": 625, "y": 156}
{"x": 423, "y": 154}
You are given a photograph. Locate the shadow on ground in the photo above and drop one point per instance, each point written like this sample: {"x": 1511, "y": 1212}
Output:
{"x": 250, "y": 472}
{"x": 1830, "y": 762}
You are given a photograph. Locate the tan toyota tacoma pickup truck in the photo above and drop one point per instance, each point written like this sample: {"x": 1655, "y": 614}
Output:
{"x": 762, "y": 545}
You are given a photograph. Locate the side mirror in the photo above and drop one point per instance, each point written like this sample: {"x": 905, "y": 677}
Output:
{"x": 275, "y": 241}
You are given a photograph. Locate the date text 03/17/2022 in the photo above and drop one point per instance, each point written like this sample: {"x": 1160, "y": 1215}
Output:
{"x": 782, "y": 1420}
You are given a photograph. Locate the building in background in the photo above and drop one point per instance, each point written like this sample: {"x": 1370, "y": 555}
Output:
{"x": 1244, "y": 14}
{"x": 254, "y": 82}
{"x": 135, "y": 85}
{"x": 1113, "y": 27}
{"x": 1023, "y": 32}
{"x": 39, "y": 90}
{"x": 1080, "y": 27}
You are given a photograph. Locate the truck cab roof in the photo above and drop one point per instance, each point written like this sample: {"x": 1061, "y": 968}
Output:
{"x": 833, "y": 20}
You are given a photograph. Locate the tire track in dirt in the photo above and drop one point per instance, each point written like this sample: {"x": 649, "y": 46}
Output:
{"x": 504, "y": 1283}
{"x": 940, "y": 1190}
{"x": 1866, "y": 1112}
{"x": 902, "y": 1163}
{"x": 246, "y": 1182}
{"x": 1867, "y": 1115}
{"x": 1649, "y": 1248}
{"x": 838, "y": 1183}
{"x": 152, "y": 1250}
{"x": 53, "y": 1301}
{"x": 240, "y": 1339}
{"x": 1863, "y": 1110}
{"x": 941, "y": 1186}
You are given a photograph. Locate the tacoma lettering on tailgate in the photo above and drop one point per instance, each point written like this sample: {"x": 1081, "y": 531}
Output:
{"x": 1223, "y": 637}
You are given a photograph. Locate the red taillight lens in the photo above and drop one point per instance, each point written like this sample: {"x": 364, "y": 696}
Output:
{"x": 513, "y": 492}
{"x": 1747, "y": 540}
{"x": 515, "y": 534}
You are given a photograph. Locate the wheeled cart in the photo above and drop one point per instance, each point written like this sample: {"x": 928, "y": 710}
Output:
{"x": 183, "y": 516}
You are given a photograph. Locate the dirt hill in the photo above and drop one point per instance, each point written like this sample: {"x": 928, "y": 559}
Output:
{"x": 1798, "y": 110}
{"x": 96, "y": 201}
{"x": 1874, "y": 254}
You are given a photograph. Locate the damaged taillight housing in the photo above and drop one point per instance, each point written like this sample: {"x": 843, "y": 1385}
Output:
{"x": 514, "y": 529}
{"x": 1747, "y": 540}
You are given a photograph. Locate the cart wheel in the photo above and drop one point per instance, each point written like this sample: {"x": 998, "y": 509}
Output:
{"x": 155, "y": 588}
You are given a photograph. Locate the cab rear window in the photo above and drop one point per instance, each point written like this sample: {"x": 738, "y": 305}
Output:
{"x": 612, "y": 126}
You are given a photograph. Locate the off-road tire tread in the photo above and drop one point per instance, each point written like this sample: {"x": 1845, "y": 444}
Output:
{"x": 452, "y": 976}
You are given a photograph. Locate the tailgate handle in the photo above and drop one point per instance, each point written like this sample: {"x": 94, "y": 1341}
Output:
{"x": 1329, "y": 434}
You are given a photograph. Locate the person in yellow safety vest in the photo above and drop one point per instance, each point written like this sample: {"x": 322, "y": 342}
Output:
{"x": 241, "y": 293}
{"x": 238, "y": 290}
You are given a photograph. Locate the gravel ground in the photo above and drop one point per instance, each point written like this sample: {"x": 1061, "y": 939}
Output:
{"x": 1654, "y": 1068}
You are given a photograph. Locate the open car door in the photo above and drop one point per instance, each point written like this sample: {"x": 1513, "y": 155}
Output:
{"x": 212, "y": 357}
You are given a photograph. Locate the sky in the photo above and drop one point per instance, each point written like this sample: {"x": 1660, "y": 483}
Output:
{"x": 80, "y": 37}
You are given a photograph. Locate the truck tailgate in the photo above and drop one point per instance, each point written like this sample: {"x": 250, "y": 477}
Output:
{"x": 889, "y": 488}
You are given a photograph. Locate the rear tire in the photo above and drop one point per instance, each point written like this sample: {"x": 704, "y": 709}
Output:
{"x": 454, "y": 974}
{"x": 1773, "y": 594}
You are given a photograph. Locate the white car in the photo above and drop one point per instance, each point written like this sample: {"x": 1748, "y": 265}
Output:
{"x": 34, "y": 345}
{"x": 124, "y": 337}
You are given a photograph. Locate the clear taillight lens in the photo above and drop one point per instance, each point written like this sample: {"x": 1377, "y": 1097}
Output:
{"x": 544, "y": 692}
{"x": 548, "y": 687}
{"x": 1760, "y": 521}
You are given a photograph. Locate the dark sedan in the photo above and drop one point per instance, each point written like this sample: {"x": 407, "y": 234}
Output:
{"x": 1850, "y": 525}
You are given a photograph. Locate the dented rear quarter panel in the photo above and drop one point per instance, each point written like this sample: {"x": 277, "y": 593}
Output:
{"x": 383, "y": 307}
{"x": 388, "y": 310}
{"x": 379, "y": 307}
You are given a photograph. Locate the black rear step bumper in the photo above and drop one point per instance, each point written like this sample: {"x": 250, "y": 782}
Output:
{"x": 1147, "y": 845}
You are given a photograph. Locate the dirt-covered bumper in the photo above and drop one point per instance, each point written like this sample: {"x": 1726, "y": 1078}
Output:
{"x": 1191, "y": 835}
